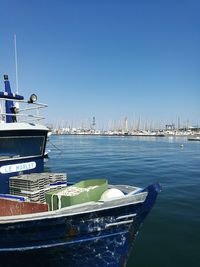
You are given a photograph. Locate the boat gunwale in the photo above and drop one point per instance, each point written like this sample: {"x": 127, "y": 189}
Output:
{"x": 69, "y": 211}
{"x": 22, "y": 126}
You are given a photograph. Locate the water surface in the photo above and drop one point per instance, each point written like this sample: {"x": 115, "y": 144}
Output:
{"x": 170, "y": 236}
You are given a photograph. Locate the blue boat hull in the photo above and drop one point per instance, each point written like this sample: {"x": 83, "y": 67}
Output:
{"x": 110, "y": 250}
{"x": 23, "y": 164}
{"x": 86, "y": 239}
{"x": 4, "y": 178}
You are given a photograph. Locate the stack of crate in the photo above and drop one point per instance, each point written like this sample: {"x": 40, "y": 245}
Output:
{"x": 35, "y": 185}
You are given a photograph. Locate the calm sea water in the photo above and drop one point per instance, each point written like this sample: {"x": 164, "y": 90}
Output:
{"x": 170, "y": 235}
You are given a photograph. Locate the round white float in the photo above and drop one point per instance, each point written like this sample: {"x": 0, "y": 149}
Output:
{"x": 110, "y": 194}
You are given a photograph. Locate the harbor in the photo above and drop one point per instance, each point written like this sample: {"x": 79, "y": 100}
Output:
{"x": 170, "y": 235}
{"x": 44, "y": 216}
{"x": 99, "y": 133}
{"x": 168, "y": 130}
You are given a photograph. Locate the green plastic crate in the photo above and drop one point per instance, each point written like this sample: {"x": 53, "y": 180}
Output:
{"x": 56, "y": 200}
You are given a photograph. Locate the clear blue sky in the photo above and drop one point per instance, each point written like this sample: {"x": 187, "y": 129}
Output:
{"x": 106, "y": 58}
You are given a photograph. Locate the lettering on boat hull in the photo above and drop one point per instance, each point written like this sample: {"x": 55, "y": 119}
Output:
{"x": 18, "y": 167}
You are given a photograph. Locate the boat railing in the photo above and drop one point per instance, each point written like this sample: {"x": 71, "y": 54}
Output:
{"x": 22, "y": 114}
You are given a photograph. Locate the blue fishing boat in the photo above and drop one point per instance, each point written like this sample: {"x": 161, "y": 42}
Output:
{"x": 97, "y": 228}
{"x": 22, "y": 142}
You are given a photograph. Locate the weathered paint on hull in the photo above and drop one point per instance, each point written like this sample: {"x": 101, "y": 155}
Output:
{"x": 10, "y": 207}
{"x": 78, "y": 240}
{"x": 102, "y": 251}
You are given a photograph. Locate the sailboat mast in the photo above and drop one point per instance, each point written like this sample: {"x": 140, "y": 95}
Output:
{"x": 16, "y": 64}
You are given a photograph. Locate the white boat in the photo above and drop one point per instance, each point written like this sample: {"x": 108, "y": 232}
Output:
{"x": 194, "y": 138}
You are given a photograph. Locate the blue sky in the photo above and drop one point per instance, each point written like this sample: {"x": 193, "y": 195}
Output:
{"x": 106, "y": 58}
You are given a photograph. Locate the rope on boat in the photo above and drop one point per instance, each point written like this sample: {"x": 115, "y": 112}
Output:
{"x": 55, "y": 146}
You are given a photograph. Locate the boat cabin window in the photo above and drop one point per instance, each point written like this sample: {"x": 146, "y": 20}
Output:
{"x": 17, "y": 147}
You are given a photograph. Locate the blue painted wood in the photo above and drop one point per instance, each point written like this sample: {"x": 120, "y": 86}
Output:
{"x": 4, "y": 178}
{"x": 78, "y": 240}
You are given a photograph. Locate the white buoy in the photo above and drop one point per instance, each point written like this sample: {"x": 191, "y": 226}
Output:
{"x": 111, "y": 194}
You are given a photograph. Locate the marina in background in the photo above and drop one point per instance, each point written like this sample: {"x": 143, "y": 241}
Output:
{"x": 123, "y": 129}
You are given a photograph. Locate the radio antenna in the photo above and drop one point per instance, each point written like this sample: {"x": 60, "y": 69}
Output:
{"x": 16, "y": 65}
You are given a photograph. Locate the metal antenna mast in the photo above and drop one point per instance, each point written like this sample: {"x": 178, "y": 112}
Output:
{"x": 16, "y": 65}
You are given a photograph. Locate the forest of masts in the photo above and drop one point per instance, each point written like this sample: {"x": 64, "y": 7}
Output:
{"x": 119, "y": 125}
